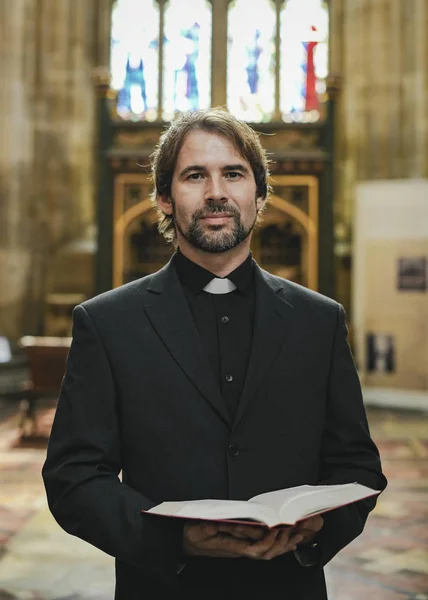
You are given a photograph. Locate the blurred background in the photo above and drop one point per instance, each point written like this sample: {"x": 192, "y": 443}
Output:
{"x": 338, "y": 91}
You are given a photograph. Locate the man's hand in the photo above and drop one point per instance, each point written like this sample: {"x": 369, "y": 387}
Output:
{"x": 309, "y": 528}
{"x": 230, "y": 540}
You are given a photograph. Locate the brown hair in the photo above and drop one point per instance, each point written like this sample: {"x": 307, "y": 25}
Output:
{"x": 215, "y": 120}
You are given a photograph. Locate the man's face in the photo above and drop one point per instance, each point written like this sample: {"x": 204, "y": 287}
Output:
{"x": 213, "y": 194}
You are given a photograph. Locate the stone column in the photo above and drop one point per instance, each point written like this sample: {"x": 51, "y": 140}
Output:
{"x": 101, "y": 20}
{"x": 394, "y": 106}
{"x": 336, "y": 69}
{"x": 420, "y": 87}
{"x": 219, "y": 52}
{"x": 49, "y": 50}
{"x": 385, "y": 74}
{"x": 63, "y": 125}
{"x": 16, "y": 158}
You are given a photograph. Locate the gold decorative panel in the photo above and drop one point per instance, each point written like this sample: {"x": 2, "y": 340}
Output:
{"x": 285, "y": 243}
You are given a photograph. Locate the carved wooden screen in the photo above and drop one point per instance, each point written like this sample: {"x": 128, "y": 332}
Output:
{"x": 285, "y": 244}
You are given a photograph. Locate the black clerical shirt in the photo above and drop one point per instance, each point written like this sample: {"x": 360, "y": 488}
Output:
{"x": 224, "y": 322}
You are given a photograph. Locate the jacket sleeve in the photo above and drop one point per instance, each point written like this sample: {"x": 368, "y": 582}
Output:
{"x": 81, "y": 471}
{"x": 348, "y": 452}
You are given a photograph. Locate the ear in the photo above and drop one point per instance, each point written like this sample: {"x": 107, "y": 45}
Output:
{"x": 260, "y": 202}
{"x": 165, "y": 204}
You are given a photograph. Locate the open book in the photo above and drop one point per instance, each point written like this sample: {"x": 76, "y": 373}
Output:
{"x": 281, "y": 507}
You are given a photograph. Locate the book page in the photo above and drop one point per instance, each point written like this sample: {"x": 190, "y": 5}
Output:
{"x": 277, "y": 499}
{"x": 296, "y": 503}
{"x": 218, "y": 510}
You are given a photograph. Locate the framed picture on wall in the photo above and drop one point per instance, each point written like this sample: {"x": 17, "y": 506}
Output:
{"x": 381, "y": 353}
{"x": 412, "y": 274}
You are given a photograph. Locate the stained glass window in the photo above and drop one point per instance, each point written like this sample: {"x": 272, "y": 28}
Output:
{"x": 251, "y": 60}
{"x": 304, "y": 60}
{"x": 187, "y": 57}
{"x": 134, "y": 58}
{"x": 252, "y": 70}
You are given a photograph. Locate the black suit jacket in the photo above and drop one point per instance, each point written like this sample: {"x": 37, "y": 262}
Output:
{"x": 139, "y": 398}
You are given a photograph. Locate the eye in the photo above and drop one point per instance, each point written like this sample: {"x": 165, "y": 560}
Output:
{"x": 195, "y": 176}
{"x": 233, "y": 175}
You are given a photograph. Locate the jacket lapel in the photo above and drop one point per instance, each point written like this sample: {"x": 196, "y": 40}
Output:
{"x": 272, "y": 321}
{"x": 170, "y": 315}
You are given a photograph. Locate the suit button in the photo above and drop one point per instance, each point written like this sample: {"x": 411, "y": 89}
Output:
{"x": 228, "y": 377}
{"x": 233, "y": 450}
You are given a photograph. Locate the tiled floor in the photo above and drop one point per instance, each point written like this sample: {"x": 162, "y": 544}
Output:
{"x": 388, "y": 562}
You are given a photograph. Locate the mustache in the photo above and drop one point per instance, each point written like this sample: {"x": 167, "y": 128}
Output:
{"x": 211, "y": 209}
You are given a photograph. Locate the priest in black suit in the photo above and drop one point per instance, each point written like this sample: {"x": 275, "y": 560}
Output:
{"x": 209, "y": 379}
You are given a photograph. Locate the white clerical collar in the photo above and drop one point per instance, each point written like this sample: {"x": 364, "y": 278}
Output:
{"x": 219, "y": 286}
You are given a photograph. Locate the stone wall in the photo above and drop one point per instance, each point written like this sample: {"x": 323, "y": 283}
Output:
{"x": 47, "y": 117}
{"x": 16, "y": 155}
{"x": 380, "y": 51}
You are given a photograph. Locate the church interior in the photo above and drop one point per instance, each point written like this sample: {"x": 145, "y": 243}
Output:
{"x": 338, "y": 91}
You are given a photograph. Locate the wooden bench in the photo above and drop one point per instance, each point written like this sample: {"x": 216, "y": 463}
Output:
{"x": 46, "y": 358}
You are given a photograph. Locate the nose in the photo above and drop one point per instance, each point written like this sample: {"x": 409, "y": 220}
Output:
{"x": 215, "y": 190}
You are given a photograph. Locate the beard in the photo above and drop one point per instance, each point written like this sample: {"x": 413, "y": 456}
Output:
{"x": 217, "y": 239}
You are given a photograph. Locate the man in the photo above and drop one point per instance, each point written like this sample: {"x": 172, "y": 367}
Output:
{"x": 208, "y": 379}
